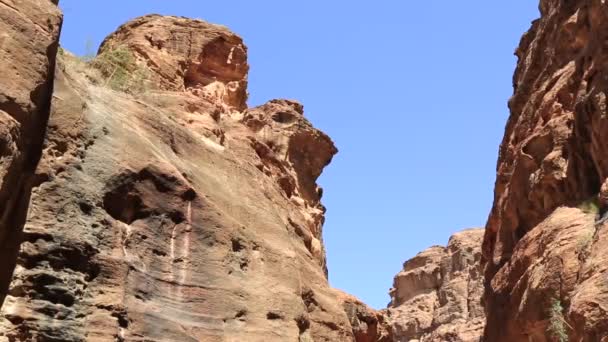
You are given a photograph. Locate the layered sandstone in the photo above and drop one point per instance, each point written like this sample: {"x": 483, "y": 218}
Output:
{"x": 29, "y": 33}
{"x": 177, "y": 214}
{"x": 437, "y": 295}
{"x": 545, "y": 265}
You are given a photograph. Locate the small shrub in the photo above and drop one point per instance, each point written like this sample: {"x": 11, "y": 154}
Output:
{"x": 584, "y": 241}
{"x": 557, "y": 323}
{"x": 121, "y": 71}
{"x": 590, "y": 206}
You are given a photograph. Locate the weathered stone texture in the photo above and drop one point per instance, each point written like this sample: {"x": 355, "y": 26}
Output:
{"x": 29, "y": 35}
{"x": 175, "y": 214}
{"x": 437, "y": 295}
{"x": 537, "y": 252}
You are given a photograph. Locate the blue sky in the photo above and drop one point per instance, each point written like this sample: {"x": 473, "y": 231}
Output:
{"x": 413, "y": 93}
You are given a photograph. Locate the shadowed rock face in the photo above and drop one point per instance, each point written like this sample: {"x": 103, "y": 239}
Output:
{"x": 437, "y": 295}
{"x": 554, "y": 155}
{"x": 29, "y": 33}
{"x": 177, "y": 214}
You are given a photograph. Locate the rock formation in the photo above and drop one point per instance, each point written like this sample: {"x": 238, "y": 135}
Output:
{"x": 544, "y": 248}
{"x": 142, "y": 200}
{"x": 29, "y": 33}
{"x": 437, "y": 295}
{"x": 170, "y": 214}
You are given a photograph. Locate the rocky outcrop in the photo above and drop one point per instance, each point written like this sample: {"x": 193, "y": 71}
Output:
{"x": 437, "y": 295}
{"x": 188, "y": 55}
{"x": 542, "y": 247}
{"x": 176, "y": 214}
{"x": 368, "y": 325}
{"x": 558, "y": 264}
{"x": 29, "y": 35}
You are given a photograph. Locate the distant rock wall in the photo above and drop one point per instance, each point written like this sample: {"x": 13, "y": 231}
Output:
{"x": 437, "y": 295}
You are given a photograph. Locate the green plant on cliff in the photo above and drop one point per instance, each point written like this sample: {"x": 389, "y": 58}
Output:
{"x": 590, "y": 206}
{"x": 557, "y": 322}
{"x": 583, "y": 242}
{"x": 120, "y": 70}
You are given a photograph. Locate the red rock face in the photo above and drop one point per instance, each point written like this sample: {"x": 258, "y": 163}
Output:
{"x": 188, "y": 55}
{"x": 553, "y": 155}
{"x": 29, "y": 33}
{"x": 437, "y": 295}
{"x": 175, "y": 214}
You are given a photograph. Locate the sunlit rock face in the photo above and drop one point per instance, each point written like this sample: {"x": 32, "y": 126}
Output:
{"x": 176, "y": 214}
{"x": 437, "y": 295}
{"x": 543, "y": 260}
{"x": 29, "y": 35}
{"x": 188, "y": 55}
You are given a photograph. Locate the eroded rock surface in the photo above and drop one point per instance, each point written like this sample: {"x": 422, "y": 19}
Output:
{"x": 29, "y": 35}
{"x": 188, "y": 55}
{"x": 437, "y": 295}
{"x": 177, "y": 214}
{"x": 543, "y": 259}
{"x": 368, "y": 325}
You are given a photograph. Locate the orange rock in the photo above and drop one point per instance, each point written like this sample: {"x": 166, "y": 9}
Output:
{"x": 437, "y": 295}
{"x": 29, "y": 37}
{"x": 166, "y": 215}
{"x": 188, "y": 55}
{"x": 553, "y": 156}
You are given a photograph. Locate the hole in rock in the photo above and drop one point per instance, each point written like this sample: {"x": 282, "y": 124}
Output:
{"x": 241, "y": 314}
{"x": 177, "y": 217}
{"x": 189, "y": 195}
{"x": 237, "y": 245}
{"x": 85, "y": 207}
{"x": 124, "y": 205}
{"x": 123, "y": 322}
{"x": 303, "y": 323}
{"x": 284, "y": 117}
{"x": 159, "y": 253}
{"x": 273, "y": 315}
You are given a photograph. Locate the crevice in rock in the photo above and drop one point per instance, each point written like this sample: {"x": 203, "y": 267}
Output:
{"x": 303, "y": 323}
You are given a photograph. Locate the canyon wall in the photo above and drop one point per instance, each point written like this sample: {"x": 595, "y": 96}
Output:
{"x": 544, "y": 247}
{"x": 29, "y": 34}
{"x": 437, "y": 295}
{"x": 141, "y": 199}
{"x": 170, "y": 213}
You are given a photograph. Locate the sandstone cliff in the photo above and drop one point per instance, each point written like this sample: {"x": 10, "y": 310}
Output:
{"x": 169, "y": 213}
{"x": 142, "y": 200}
{"x": 544, "y": 247}
{"x": 29, "y": 33}
{"x": 437, "y": 295}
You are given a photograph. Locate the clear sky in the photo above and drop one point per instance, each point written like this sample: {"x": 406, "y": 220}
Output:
{"x": 413, "y": 93}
